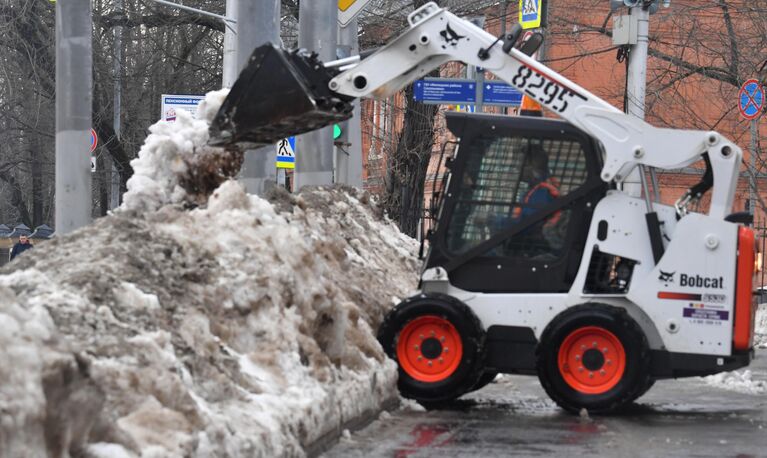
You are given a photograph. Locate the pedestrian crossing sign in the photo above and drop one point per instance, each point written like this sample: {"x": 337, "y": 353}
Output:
{"x": 530, "y": 13}
{"x": 286, "y": 153}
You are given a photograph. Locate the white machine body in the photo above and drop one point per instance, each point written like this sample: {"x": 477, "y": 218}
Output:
{"x": 690, "y": 309}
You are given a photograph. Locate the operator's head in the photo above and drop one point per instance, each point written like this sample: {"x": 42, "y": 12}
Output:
{"x": 536, "y": 164}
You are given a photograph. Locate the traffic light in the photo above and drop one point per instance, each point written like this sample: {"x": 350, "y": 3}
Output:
{"x": 336, "y": 131}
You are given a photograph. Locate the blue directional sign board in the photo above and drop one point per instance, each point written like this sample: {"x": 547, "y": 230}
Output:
{"x": 500, "y": 93}
{"x": 751, "y": 99}
{"x": 445, "y": 91}
{"x": 454, "y": 91}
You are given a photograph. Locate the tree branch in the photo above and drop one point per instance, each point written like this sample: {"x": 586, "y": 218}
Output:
{"x": 157, "y": 20}
{"x": 735, "y": 54}
{"x": 717, "y": 73}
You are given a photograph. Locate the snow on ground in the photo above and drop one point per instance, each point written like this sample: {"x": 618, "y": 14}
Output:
{"x": 182, "y": 326}
{"x": 742, "y": 381}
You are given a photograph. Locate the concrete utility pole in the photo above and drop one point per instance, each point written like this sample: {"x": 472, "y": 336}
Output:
{"x": 636, "y": 83}
{"x": 114, "y": 194}
{"x": 349, "y": 156}
{"x": 317, "y": 30}
{"x": 230, "y": 46}
{"x": 73, "y": 114}
{"x": 258, "y": 22}
{"x": 637, "y": 71}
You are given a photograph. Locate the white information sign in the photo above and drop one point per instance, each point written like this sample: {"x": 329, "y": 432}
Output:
{"x": 172, "y": 103}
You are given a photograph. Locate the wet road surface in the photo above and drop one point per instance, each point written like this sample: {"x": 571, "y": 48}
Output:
{"x": 513, "y": 417}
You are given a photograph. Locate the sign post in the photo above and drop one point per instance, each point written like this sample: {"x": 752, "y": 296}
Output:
{"x": 348, "y": 145}
{"x": 94, "y": 144}
{"x": 750, "y": 105}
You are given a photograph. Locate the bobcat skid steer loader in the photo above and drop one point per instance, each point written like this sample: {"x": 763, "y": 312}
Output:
{"x": 548, "y": 256}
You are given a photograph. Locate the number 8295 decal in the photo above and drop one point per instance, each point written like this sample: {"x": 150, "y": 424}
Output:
{"x": 543, "y": 90}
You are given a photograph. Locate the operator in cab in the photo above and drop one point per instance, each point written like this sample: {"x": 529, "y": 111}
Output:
{"x": 542, "y": 188}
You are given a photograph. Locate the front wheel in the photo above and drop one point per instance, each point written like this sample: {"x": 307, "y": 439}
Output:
{"x": 593, "y": 357}
{"x": 438, "y": 343}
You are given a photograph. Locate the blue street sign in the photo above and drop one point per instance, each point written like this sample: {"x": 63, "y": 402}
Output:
{"x": 500, "y": 93}
{"x": 454, "y": 91}
{"x": 445, "y": 91}
{"x": 751, "y": 99}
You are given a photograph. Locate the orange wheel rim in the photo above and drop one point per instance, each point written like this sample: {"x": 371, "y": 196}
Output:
{"x": 592, "y": 360}
{"x": 429, "y": 349}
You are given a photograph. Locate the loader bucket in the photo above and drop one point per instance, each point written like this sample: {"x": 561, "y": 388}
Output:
{"x": 279, "y": 94}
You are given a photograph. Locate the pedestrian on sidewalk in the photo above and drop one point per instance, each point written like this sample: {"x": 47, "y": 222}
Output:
{"x": 20, "y": 247}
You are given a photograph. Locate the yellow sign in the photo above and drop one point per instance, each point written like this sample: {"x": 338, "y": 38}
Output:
{"x": 286, "y": 155}
{"x": 530, "y": 13}
{"x": 344, "y": 5}
{"x": 348, "y": 10}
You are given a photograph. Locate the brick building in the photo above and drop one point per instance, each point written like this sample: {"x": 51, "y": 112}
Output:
{"x": 694, "y": 71}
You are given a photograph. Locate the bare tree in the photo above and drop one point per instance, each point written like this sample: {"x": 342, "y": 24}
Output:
{"x": 700, "y": 52}
{"x": 166, "y": 51}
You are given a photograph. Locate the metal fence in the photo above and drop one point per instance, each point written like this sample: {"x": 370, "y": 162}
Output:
{"x": 760, "y": 230}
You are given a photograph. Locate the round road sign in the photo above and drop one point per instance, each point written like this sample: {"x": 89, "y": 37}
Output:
{"x": 94, "y": 140}
{"x": 751, "y": 99}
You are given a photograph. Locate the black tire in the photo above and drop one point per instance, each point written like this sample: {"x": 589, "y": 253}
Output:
{"x": 470, "y": 365}
{"x": 484, "y": 380}
{"x": 620, "y": 390}
{"x": 648, "y": 384}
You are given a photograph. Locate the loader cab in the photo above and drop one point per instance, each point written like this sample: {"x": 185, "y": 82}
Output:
{"x": 517, "y": 205}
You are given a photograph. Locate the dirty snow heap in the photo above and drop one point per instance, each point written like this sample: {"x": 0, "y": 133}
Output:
{"x": 192, "y": 323}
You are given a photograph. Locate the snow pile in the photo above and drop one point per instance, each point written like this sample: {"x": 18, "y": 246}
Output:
{"x": 175, "y": 164}
{"x": 760, "y": 332}
{"x": 240, "y": 327}
{"x": 740, "y": 381}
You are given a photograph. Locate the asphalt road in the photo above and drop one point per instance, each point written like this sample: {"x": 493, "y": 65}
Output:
{"x": 513, "y": 417}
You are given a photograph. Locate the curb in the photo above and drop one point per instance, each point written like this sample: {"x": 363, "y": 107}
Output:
{"x": 330, "y": 438}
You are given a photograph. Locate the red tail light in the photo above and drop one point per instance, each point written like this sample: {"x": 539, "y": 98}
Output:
{"x": 744, "y": 304}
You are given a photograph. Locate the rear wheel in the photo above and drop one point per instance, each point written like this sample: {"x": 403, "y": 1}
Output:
{"x": 484, "y": 380}
{"x": 594, "y": 357}
{"x": 438, "y": 344}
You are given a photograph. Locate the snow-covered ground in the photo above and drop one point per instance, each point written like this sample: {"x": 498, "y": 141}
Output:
{"x": 743, "y": 380}
{"x": 187, "y": 326}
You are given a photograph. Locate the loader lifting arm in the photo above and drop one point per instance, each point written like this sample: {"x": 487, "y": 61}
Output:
{"x": 436, "y": 36}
